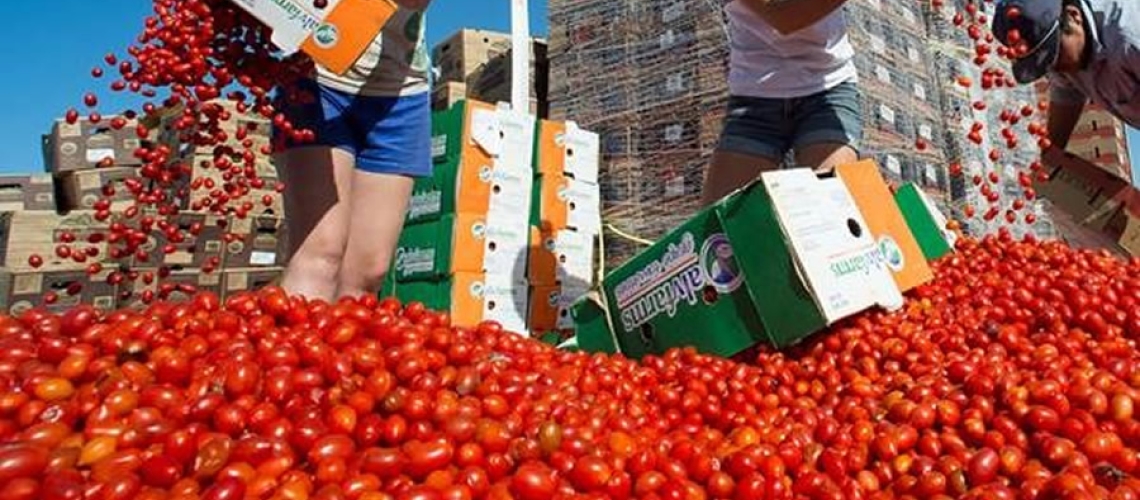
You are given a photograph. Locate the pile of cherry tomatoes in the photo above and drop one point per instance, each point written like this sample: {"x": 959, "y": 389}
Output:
{"x": 1012, "y": 375}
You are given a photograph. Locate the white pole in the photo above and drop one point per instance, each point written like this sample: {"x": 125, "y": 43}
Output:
{"x": 520, "y": 60}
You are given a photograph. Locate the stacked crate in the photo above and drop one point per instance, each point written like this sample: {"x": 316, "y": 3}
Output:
{"x": 476, "y": 64}
{"x": 53, "y": 247}
{"x": 229, "y": 189}
{"x": 565, "y": 222}
{"x": 464, "y": 248}
{"x": 505, "y": 228}
{"x": 902, "y": 114}
{"x": 658, "y": 108}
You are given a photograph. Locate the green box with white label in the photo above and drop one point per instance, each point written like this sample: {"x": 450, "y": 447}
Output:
{"x": 482, "y": 161}
{"x": 775, "y": 262}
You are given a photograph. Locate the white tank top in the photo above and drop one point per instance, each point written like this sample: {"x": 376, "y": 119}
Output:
{"x": 767, "y": 64}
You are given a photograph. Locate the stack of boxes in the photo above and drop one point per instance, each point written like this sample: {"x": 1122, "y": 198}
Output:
{"x": 902, "y": 114}
{"x": 651, "y": 78}
{"x": 247, "y": 244}
{"x": 476, "y": 64}
{"x": 56, "y": 252}
{"x": 566, "y": 221}
{"x": 464, "y": 248}
{"x": 504, "y": 228}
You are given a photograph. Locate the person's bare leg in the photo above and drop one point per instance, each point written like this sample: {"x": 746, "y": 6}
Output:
{"x": 318, "y": 188}
{"x": 379, "y": 207}
{"x": 824, "y": 157}
{"x": 731, "y": 171}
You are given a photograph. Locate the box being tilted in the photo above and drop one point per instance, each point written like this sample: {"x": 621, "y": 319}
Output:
{"x": 775, "y": 262}
{"x": 334, "y": 36}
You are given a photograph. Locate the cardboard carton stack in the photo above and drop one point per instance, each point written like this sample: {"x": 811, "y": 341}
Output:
{"x": 900, "y": 92}
{"x": 464, "y": 248}
{"x": 247, "y": 245}
{"x": 53, "y": 249}
{"x": 504, "y": 229}
{"x": 650, "y": 78}
{"x": 476, "y": 64}
{"x": 566, "y": 221}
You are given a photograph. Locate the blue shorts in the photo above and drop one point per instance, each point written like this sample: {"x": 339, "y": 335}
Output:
{"x": 386, "y": 135}
{"x": 769, "y": 128}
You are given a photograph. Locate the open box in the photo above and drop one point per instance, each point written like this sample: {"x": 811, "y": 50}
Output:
{"x": 775, "y": 262}
{"x": 334, "y": 36}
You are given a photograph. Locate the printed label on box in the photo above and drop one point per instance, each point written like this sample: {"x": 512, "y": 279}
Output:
{"x": 485, "y": 131}
{"x": 887, "y": 113}
{"x": 893, "y": 165}
{"x": 925, "y": 132}
{"x": 422, "y": 204}
{"x": 674, "y": 132}
{"x": 882, "y": 73}
{"x": 908, "y": 15}
{"x": 97, "y": 155}
{"x": 675, "y": 186}
{"x": 920, "y": 91}
{"x": 262, "y": 258}
{"x": 668, "y": 39}
{"x": 675, "y": 83}
{"x": 913, "y": 54}
{"x": 878, "y": 46}
{"x": 438, "y": 146}
{"x": 414, "y": 261}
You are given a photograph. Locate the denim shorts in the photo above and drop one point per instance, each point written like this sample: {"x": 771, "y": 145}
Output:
{"x": 769, "y": 128}
{"x": 386, "y": 135}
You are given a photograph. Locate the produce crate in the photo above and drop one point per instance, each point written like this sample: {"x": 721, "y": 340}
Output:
{"x": 27, "y": 192}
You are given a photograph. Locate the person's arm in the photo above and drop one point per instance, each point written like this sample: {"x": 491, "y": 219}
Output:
{"x": 1065, "y": 107}
{"x": 789, "y": 16}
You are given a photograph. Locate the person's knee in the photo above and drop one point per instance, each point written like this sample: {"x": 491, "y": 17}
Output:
{"x": 321, "y": 256}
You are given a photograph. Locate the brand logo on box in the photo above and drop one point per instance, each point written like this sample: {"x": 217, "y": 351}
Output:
{"x": 719, "y": 264}
{"x": 892, "y": 254}
{"x": 681, "y": 275}
{"x": 414, "y": 260}
{"x": 326, "y": 35}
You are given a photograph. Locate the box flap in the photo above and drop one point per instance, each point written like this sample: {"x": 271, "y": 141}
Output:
{"x": 831, "y": 244}
{"x": 926, "y": 229}
{"x": 900, "y": 250}
{"x": 749, "y": 220}
{"x": 582, "y": 153}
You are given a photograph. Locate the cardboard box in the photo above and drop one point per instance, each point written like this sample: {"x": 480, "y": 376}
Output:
{"x": 27, "y": 192}
{"x": 255, "y": 242}
{"x": 334, "y": 37}
{"x": 1130, "y": 238}
{"x": 237, "y": 281}
{"x": 901, "y": 251}
{"x": 565, "y": 149}
{"x": 564, "y": 257}
{"x": 551, "y": 308}
{"x": 179, "y": 284}
{"x": 24, "y": 234}
{"x": 24, "y": 289}
{"x": 447, "y": 94}
{"x": 592, "y": 329}
{"x": 471, "y": 298}
{"x": 460, "y": 243}
{"x": 82, "y": 189}
{"x": 483, "y": 157}
{"x": 926, "y": 222}
{"x": 198, "y": 242}
{"x": 460, "y": 57}
{"x": 84, "y": 145}
{"x": 759, "y": 266}
{"x": 566, "y": 203}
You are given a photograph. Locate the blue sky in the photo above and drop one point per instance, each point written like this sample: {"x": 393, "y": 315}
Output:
{"x": 49, "y": 60}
